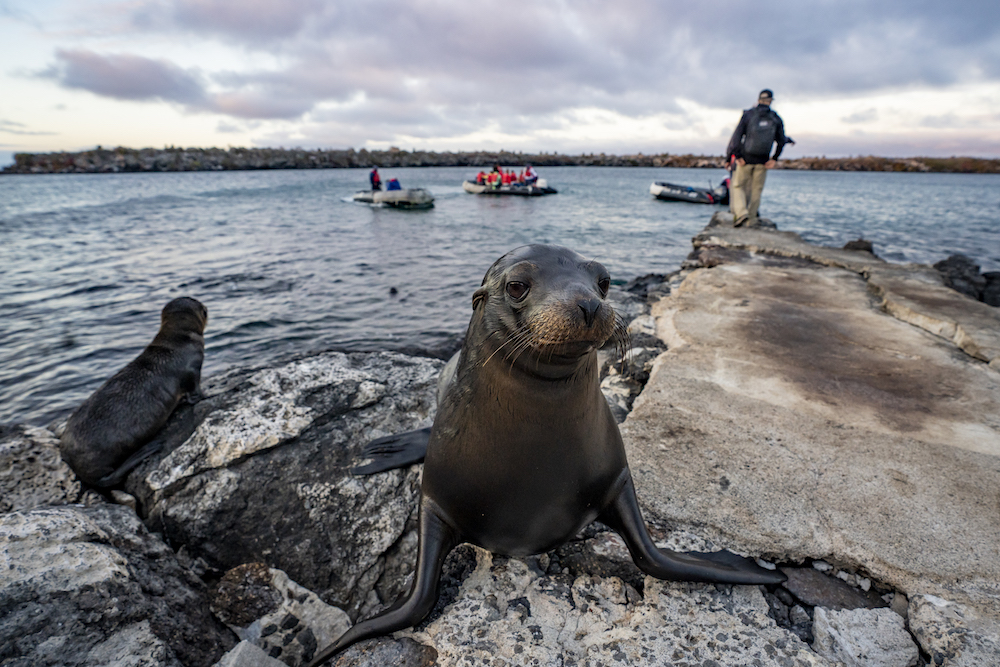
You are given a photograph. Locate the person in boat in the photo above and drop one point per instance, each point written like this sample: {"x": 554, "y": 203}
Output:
{"x": 750, "y": 146}
{"x": 530, "y": 175}
{"x": 393, "y": 184}
{"x": 495, "y": 177}
{"x": 375, "y": 180}
{"x": 481, "y": 178}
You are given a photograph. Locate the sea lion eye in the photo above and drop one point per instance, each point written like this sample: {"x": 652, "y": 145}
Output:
{"x": 517, "y": 290}
{"x": 604, "y": 284}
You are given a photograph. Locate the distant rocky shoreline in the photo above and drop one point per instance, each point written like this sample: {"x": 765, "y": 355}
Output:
{"x": 102, "y": 160}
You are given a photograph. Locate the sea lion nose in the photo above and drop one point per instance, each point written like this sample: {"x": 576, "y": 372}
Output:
{"x": 589, "y": 308}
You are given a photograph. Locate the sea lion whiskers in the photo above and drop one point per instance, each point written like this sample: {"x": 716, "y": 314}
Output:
{"x": 513, "y": 337}
{"x": 525, "y": 341}
{"x": 623, "y": 342}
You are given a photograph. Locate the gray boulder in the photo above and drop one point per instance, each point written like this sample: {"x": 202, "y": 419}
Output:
{"x": 90, "y": 586}
{"x": 259, "y": 472}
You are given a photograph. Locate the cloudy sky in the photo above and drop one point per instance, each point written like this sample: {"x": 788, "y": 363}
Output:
{"x": 893, "y": 77}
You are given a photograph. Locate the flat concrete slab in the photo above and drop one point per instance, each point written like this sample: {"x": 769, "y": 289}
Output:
{"x": 792, "y": 416}
{"x": 914, "y": 293}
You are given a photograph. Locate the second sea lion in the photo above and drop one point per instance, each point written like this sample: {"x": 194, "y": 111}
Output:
{"x": 524, "y": 451}
{"x": 105, "y": 437}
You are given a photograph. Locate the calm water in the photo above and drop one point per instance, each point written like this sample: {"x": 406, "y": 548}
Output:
{"x": 286, "y": 263}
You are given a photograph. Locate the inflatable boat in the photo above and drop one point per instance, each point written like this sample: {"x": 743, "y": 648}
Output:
{"x": 674, "y": 192}
{"x": 517, "y": 189}
{"x": 410, "y": 198}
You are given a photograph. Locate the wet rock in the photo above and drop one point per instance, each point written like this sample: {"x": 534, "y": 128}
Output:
{"x": 860, "y": 244}
{"x": 962, "y": 275}
{"x": 864, "y": 638}
{"x": 32, "y": 472}
{"x": 954, "y": 634}
{"x": 820, "y": 590}
{"x": 263, "y": 606}
{"x": 90, "y": 586}
{"x": 643, "y": 286}
{"x": 627, "y": 305}
{"x": 380, "y": 652}
{"x": 763, "y": 223}
{"x": 991, "y": 291}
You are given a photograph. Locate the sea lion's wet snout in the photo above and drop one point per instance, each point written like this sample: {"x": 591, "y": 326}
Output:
{"x": 558, "y": 306}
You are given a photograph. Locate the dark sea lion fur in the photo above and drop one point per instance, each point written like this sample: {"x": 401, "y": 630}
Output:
{"x": 524, "y": 451}
{"x": 106, "y": 435}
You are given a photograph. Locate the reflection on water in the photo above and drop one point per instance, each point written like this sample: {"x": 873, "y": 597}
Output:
{"x": 285, "y": 264}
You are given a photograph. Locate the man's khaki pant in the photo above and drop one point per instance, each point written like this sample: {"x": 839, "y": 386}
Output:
{"x": 747, "y": 185}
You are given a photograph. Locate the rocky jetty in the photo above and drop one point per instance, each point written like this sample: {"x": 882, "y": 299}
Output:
{"x": 829, "y": 413}
{"x": 122, "y": 159}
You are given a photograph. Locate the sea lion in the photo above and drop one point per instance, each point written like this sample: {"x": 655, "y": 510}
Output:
{"x": 107, "y": 435}
{"x": 524, "y": 451}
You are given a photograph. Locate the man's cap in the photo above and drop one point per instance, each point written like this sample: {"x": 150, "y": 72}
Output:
{"x": 766, "y": 93}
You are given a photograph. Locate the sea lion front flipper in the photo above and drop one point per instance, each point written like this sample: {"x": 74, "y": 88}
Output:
{"x": 394, "y": 451}
{"x": 624, "y": 517}
{"x": 436, "y": 539}
{"x": 115, "y": 478}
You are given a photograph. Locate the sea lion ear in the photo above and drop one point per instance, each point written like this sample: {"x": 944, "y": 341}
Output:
{"x": 479, "y": 296}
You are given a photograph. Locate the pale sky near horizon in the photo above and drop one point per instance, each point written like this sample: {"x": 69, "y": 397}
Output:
{"x": 893, "y": 78}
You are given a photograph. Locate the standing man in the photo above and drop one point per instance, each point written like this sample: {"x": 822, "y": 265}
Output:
{"x": 750, "y": 147}
{"x": 375, "y": 179}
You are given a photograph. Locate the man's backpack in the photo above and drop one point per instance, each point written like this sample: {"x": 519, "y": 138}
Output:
{"x": 762, "y": 126}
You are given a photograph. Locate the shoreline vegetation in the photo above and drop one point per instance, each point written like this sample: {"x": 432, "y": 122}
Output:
{"x": 117, "y": 160}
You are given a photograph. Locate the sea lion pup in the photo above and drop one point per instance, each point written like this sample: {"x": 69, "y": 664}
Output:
{"x": 107, "y": 435}
{"x": 524, "y": 451}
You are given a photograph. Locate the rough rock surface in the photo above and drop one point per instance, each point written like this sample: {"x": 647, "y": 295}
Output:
{"x": 506, "y": 613}
{"x": 90, "y": 586}
{"x": 954, "y": 634}
{"x": 260, "y": 473}
{"x": 263, "y": 606}
{"x": 864, "y": 638}
{"x": 32, "y": 472}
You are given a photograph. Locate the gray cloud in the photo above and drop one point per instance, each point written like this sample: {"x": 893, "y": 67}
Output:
{"x": 126, "y": 77}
